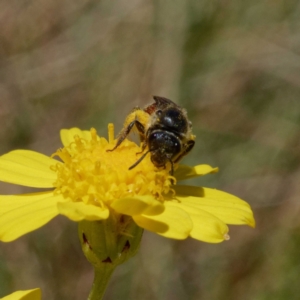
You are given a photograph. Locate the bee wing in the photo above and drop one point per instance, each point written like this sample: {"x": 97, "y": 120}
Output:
{"x": 160, "y": 103}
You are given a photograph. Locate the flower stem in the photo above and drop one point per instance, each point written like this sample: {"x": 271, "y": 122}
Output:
{"x": 101, "y": 279}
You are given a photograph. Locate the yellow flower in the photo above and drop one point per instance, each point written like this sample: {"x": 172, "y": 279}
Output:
{"x": 34, "y": 294}
{"x": 88, "y": 183}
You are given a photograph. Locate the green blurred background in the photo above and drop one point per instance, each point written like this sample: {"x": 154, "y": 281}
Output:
{"x": 234, "y": 65}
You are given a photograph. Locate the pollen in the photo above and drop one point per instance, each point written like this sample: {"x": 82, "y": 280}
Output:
{"x": 91, "y": 174}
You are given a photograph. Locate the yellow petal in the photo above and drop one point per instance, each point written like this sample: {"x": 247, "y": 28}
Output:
{"x": 34, "y": 294}
{"x": 67, "y": 135}
{"x": 146, "y": 205}
{"x": 24, "y": 213}
{"x": 185, "y": 172}
{"x": 206, "y": 227}
{"x": 27, "y": 168}
{"x": 177, "y": 221}
{"x": 149, "y": 224}
{"x": 226, "y": 207}
{"x": 78, "y": 211}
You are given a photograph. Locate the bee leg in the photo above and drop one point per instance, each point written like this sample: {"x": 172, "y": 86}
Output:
{"x": 124, "y": 133}
{"x": 144, "y": 145}
{"x": 139, "y": 160}
{"x": 135, "y": 118}
{"x": 172, "y": 167}
{"x": 122, "y": 136}
{"x": 141, "y": 129}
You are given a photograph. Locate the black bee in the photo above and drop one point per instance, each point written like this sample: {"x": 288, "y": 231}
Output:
{"x": 164, "y": 129}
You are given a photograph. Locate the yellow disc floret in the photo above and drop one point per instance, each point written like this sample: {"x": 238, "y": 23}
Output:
{"x": 92, "y": 175}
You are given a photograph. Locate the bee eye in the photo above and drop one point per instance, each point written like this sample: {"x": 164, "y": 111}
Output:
{"x": 159, "y": 112}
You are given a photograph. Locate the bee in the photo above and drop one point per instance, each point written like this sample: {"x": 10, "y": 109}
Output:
{"x": 164, "y": 129}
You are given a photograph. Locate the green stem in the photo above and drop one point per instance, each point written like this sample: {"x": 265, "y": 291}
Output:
{"x": 101, "y": 279}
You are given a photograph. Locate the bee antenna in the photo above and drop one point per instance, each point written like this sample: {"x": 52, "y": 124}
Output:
{"x": 139, "y": 160}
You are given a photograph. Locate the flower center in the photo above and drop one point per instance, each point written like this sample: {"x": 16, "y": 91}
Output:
{"x": 91, "y": 174}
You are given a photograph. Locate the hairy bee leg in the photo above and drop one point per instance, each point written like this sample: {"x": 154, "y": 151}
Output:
{"x": 127, "y": 127}
{"x": 141, "y": 129}
{"x": 122, "y": 136}
{"x": 131, "y": 120}
{"x": 190, "y": 145}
